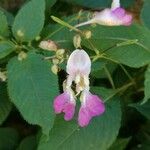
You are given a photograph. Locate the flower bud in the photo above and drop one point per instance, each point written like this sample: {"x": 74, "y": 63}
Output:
{"x": 87, "y": 34}
{"x": 20, "y": 33}
{"x": 37, "y": 38}
{"x": 3, "y": 76}
{"x": 54, "y": 69}
{"x": 55, "y": 61}
{"x": 48, "y": 45}
{"x": 77, "y": 41}
{"x": 60, "y": 53}
{"x": 22, "y": 55}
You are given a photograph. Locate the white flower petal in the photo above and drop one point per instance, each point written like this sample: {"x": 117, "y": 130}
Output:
{"x": 78, "y": 63}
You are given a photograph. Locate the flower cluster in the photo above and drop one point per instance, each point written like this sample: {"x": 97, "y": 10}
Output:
{"x": 78, "y": 69}
{"x": 113, "y": 16}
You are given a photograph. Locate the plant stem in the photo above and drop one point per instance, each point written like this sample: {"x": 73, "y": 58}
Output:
{"x": 109, "y": 77}
{"x": 123, "y": 88}
{"x": 127, "y": 73}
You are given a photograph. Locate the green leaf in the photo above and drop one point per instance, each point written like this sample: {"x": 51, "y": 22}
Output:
{"x": 5, "y": 104}
{"x": 9, "y": 16}
{"x": 3, "y": 24}
{"x": 6, "y": 48}
{"x": 120, "y": 44}
{"x": 61, "y": 34}
{"x": 99, "y": 3}
{"x": 32, "y": 88}
{"x": 100, "y": 133}
{"x": 98, "y": 70}
{"x": 9, "y": 139}
{"x": 147, "y": 84}
{"x": 120, "y": 144}
{"x": 29, "y": 21}
{"x": 145, "y": 13}
{"x": 143, "y": 109}
{"x": 97, "y": 65}
{"x": 50, "y": 3}
{"x": 28, "y": 143}
{"x": 143, "y": 137}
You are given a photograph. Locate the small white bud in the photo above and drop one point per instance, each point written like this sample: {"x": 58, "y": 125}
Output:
{"x": 60, "y": 53}
{"x": 54, "y": 69}
{"x": 48, "y": 45}
{"x": 37, "y": 38}
{"x": 22, "y": 55}
{"x": 77, "y": 41}
{"x": 55, "y": 61}
{"x": 20, "y": 33}
{"x": 3, "y": 76}
{"x": 87, "y": 34}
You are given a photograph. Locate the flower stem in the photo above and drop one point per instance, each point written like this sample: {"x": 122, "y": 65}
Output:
{"x": 127, "y": 73}
{"x": 65, "y": 24}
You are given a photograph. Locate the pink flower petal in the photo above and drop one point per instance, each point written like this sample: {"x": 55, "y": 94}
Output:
{"x": 84, "y": 117}
{"x": 60, "y": 101}
{"x": 95, "y": 105}
{"x": 69, "y": 110}
{"x": 92, "y": 107}
{"x": 119, "y": 12}
{"x": 127, "y": 20}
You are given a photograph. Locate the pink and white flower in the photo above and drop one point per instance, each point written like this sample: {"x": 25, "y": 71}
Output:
{"x": 114, "y": 16}
{"x": 78, "y": 69}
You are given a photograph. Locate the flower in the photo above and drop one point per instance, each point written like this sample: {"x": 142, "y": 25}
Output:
{"x": 78, "y": 69}
{"x": 113, "y": 16}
